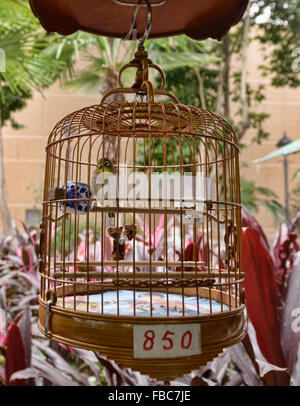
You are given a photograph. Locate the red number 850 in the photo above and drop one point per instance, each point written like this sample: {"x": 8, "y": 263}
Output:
{"x": 185, "y": 342}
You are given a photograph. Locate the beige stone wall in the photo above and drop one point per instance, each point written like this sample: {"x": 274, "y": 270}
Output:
{"x": 283, "y": 106}
{"x": 24, "y": 150}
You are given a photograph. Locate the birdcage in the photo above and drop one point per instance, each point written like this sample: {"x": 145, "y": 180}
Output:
{"x": 140, "y": 254}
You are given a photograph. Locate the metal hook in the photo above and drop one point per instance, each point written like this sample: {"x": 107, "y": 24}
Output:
{"x": 135, "y": 12}
{"x": 132, "y": 25}
{"x": 149, "y": 21}
{"x": 48, "y": 307}
{"x": 58, "y": 218}
{"x": 126, "y": 3}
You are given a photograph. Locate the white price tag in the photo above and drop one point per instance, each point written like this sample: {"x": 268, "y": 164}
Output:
{"x": 166, "y": 340}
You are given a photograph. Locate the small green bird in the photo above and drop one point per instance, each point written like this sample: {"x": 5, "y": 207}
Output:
{"x": 105, "y": 165}
{"x": 105, "y": 168}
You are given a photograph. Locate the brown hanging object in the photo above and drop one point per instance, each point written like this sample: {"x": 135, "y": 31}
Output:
{"x": 197, "y": 19}
{"x": 158, "y": 287}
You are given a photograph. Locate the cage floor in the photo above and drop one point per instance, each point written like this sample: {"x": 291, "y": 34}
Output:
{"x": 122, "y": 302}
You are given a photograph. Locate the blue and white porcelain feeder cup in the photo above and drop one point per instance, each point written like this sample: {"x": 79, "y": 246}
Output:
{"x": 83, "y": 192}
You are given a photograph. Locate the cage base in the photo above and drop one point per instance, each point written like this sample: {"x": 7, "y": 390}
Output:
{"x": 112, "y": 336}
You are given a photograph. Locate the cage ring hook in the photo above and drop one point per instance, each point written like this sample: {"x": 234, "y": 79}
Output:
{"x": 51, "y": 299}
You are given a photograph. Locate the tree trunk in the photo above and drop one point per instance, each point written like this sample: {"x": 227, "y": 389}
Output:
{"x": 226, "y": 75}
{"x": 4, "y": 211}
{"x": 111, "y": 82}
{"x": 244, "y": 97}
{"x": 223, "y": 100}
{"x": 201, "y": 88}
{"x": 220, "y": 93}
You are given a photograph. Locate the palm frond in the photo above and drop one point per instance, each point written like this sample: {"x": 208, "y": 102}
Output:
{"x": 28, "y": 64}
{"x": 296, "y": 175}
{"x": 176, "y": 60}
{"x": 87, "y": 81}
{"x": 254, "y": 197}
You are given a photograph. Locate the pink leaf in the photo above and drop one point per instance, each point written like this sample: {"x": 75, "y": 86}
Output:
{"x": 159, "y": 229}
{"x": 24, "y": 374}
{"x": 273, "y": 375}
{"x": 2, "y": 375}
{"x": 261, "y": 296}
{"x": 198, "y": 248}
{"x": 189, "y": 253}
{"x": 3, "y": 335}
{"x": 68, "y": 349}
{"x": 25, "y": 330}
{"x": 250, "y": 221}
{"x": 290, "y": 320}
{"x": 284, "y": 252}
{"x": 198, "y": 381}
{"x": 143, "y": 225}
{"x": 276, "y": 248}
{"x": 15, "y": 356}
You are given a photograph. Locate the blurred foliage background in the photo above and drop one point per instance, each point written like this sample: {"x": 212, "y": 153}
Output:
{"x": 209, "y": 74}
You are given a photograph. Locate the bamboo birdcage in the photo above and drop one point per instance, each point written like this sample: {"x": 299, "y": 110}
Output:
{"x": 111, "y": 271}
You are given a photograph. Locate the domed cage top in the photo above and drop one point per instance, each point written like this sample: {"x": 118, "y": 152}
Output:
{"x": 141, "y": 227}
